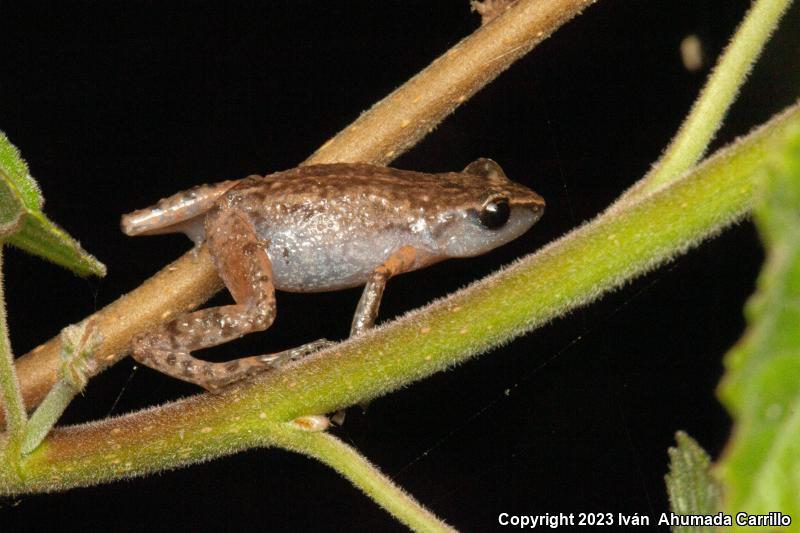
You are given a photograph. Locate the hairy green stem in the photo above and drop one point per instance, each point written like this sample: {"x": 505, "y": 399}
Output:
{"x": 47, "y": 414}
{"x": 9, "y": 385}
{"x": 709, "y": 110}
{"x": 572, "y": 271}
{"x": 361, "y": 473}
{"x": 78, "y": 343}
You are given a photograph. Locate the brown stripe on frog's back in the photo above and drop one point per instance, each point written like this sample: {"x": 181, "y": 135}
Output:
{"x": 342, "y": 180}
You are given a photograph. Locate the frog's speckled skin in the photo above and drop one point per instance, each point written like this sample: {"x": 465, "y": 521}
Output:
{"x": 318, "y": 228}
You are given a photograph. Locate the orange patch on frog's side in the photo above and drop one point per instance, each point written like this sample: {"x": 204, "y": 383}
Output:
{"x": 401, "y": 261}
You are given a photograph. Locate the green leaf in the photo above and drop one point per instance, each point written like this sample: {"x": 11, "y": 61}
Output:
{"x": 691, "y": 489}
{"x": 23, "y": 224}
{"x": 761, "y": 389}
{"x": 14, "y": 172}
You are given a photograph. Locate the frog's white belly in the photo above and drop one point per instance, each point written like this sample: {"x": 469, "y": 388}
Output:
{"x": 304, "y": 261}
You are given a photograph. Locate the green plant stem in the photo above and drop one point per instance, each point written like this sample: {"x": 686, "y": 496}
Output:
{"x": 720, "y": 91}
{"x": 9, "y": 385}
{"x": 350, "y": 464}
{"x": 570, "y": 272}
{"x": 47, "y": 414}
{"x": 78, "y": 343}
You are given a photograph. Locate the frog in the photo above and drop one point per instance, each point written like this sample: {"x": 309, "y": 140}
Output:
{"x": 317, "y": 228}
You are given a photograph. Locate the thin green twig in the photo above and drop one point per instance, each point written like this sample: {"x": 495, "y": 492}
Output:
{"x": 372, "y": 482}
{"x": 710, "y": 108}
{"x": 78, "y": 343}
{"x": 47, "y": 414}
{"x": 9, "y": 385}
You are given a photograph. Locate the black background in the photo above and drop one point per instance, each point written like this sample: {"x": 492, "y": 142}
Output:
{"x": 117, "y": 104}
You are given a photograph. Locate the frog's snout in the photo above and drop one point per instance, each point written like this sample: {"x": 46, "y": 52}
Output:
{"x": 538, "y": 206}
{"x": 532, "y": 201}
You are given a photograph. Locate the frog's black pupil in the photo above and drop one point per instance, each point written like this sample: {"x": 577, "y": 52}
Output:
{"x": 495, "y": 214}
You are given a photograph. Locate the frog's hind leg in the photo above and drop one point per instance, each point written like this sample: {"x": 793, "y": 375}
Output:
{"x": 245, "y": 268}
{"x": 180, "y": 212}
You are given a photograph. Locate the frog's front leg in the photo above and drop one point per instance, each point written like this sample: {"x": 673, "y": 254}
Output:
{"x": 246, "y": 270}
{"x": 367, "y": 309}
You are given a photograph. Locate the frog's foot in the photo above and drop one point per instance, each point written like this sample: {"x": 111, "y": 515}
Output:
{"x": 277, "y": 360}
{"x": 221, "y": 375}
{"x": 337, "y": 419}
{"x": 217, "y": 376}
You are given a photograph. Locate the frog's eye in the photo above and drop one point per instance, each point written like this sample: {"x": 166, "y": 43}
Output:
{"x": 494, "y": 213}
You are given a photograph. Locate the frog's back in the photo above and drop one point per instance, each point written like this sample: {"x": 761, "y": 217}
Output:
{"x": 323, "y": 182}
{"x": 329, "y": 226}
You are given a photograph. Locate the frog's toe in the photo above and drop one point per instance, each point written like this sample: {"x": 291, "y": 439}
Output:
{"x": 317, "y": 345}
{"x": 276, "y": 360}
{"x": 309, "y": 348}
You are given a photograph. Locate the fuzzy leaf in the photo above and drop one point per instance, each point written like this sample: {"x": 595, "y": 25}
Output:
{"x": 761, "y": 389}
{"x": 16, "y": 172}
{"x": 23, "y": 224}
{"x": 691, "y": 489}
